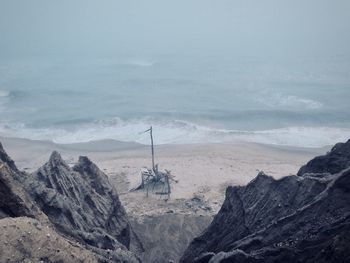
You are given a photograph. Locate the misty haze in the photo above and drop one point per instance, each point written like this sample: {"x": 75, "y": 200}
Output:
{"x": 214, "y": 92}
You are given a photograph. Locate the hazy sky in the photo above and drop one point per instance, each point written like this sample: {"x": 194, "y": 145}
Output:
{"x": 107, "y": 27}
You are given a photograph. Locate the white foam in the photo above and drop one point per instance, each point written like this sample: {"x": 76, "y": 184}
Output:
{"x": 179, "y": 132}
{"x": 140, "y": 62}
{"x": 279, "y": 100}
{"x": 299, "y": 136}
{"x": 4, "y": 98}
{"x": 4, "y": 93}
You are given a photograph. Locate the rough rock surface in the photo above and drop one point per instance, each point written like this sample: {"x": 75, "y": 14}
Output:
{"x": 82, "y": 204}
{"x": 62, "y": 214}
{"x": 5, "y": 159}
{"x": 333, "y": 162}
{"x": 294, "y": 219}
{"x": 14, "y": 201}
{"x": 26, "y": 233}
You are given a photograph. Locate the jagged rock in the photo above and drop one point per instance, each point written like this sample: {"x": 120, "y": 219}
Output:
{"x": 82, "y": 204}
{"x": 333, "y": 162}
{"x": 26, "y": 233}
{"x": 294, "y": 219}
{"x": 4, "y": 158}
{"x": 78, "y": 201}
{"x": 14, "y": 201}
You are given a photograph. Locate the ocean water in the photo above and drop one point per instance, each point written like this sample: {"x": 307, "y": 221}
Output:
{"x": 197, "y": 99}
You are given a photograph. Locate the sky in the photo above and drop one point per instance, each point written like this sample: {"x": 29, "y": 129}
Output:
{"x": 114, "y": 27}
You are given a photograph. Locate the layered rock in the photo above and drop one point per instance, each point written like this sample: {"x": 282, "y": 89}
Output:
{"x": 14, "y": 201}
{"x": 62, "y": 214}
{"x": 333, "y": 162}
{"x": 82, "y": 204}
{"x": 294, "y": 219}
{"x": 26, "y": 233}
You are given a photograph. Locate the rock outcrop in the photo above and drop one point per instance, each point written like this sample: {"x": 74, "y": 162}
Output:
{"x": 82, "y": 204}
{"x": 14, "y": 201}
{"x": 333, "y": 162}
{"x": 26, "y": 233}
{"x": 62, "y": 214}
{"x": 294, "y": 219}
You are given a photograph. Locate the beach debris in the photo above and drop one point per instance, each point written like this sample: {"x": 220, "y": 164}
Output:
{"x": 154, "y": 181}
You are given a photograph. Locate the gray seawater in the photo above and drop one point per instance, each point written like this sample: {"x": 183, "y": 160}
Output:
{"x": 297, "y": 102}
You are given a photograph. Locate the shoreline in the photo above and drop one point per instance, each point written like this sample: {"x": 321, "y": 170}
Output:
{"x": 202, "y": 170}
{"x": 109, "y": 145}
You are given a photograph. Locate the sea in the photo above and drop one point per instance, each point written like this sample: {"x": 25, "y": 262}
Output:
{"x": 302, "y": 102}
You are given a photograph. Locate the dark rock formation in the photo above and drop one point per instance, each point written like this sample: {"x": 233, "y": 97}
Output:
{"x": 82, "y": 204}
{"x": 14, "y": 201}
{"x": 26, "y": 233}
{"x": 74, "y": 213}
{"x": 294, "y": 219}
{"x": 4, "y": 158}
{"x": 333, "y": 162}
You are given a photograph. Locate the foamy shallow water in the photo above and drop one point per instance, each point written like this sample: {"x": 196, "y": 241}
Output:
{"x": 179, "y": 132}
{"x": 4, "y": 93}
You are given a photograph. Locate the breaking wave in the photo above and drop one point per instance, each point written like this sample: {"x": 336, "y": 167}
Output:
{"x": 139, "y": 62}
{"x": 289, "y": 101}
{"x": 177, "y": 132}
{"x": 4, "y": 93}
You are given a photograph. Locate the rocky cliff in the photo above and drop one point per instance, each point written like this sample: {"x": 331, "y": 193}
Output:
{"x": 26, "y": 233}
{"x": 333, "y": 162}
{"x": 62, "y": 214}
{"x": 294, "y": 219}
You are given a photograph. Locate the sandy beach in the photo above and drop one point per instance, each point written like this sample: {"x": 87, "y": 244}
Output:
{"x": 201, "y": 170}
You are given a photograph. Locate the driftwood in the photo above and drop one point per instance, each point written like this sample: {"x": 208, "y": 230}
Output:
{"x": 154, "y": 181}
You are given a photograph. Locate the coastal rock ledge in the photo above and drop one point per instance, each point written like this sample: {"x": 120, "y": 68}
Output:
{"x": 299, "y": 218}
{"x": 62, "y": 214}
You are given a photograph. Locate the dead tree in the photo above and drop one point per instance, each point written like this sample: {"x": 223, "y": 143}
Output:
{"x": 155, "y": 181}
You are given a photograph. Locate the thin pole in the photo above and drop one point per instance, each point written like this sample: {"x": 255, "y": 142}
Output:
{"x": 152, "y": 149}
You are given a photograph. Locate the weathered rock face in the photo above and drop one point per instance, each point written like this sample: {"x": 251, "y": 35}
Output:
{"x": 26, "y": 233}
{"x": 14, "y": 201}
{"x": 5, "y": 159}
{"x": 294, "y": 219}
{"x": 333, "y": 162}
{"x": 82, "y": 204}
{"x": 44, "y": 214}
